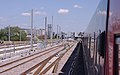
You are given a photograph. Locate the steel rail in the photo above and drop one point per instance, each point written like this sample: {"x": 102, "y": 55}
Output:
{"x": 27, "y": 60}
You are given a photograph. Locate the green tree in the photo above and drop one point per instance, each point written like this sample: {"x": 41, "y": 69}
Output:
{"x": 14, "y": 34}
{"x": 3, "y": 34}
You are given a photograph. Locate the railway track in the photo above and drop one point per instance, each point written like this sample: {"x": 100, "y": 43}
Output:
{"x": 7, "y": 46}
{"x": 4, "y": 68}
{"x": 16, "y": 49}
{"x": 49, "y": 64}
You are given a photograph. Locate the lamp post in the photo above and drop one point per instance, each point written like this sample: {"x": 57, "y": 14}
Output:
{"x": 20, "y": 37}
{"x": 9, "y": 35}
{"x": 31, "y": 40}
{"x": 45, "y": 31}
{"x": 57, "y": 32}
{"x": 52, "y": 31}
{"x": 9, "y": 38}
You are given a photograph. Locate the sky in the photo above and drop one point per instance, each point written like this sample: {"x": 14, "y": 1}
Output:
{"x": 70, "y": 15}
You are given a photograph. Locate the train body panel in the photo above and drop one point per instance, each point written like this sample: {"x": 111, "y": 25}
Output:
{"x": 113, "y": 34}
{"x": 104, "y": 30}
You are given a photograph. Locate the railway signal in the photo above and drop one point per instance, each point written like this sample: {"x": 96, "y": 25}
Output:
{"x": 1, "y": 41}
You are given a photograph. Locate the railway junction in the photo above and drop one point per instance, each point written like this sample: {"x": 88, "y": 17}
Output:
{"x": 62, "y": 58}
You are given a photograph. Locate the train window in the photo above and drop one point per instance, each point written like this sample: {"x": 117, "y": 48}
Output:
{"x": 101, "y": 44}
{"x": 118, "y": 40}
{"x": 117, "y": 56}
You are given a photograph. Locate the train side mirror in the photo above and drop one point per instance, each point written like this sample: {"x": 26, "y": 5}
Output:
{"x": 101, "y": 44}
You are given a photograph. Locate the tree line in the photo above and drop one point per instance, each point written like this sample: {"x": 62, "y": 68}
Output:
{"x": 15, "y": 34}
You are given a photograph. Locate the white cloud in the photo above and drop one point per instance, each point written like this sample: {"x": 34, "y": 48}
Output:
{"x": 26, "y": 14}
{"x": 63, "y": 11}
{"x": 77, "y": 6}
{"x": 40, "y": 13}
{"x": 104, "y": 12}
{"x": 35, "y": 13}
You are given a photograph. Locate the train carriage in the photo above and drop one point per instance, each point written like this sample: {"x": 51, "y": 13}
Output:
{"x": 104, "y": 30}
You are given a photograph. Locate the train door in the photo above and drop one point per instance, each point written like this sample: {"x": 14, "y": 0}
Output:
{"x": 116, "y": 63}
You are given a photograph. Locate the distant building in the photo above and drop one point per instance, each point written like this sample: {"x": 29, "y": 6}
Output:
{"x": 78, "y": 35}
{"x": 39, "y": 32}
{"x": 63, "y": 35}
{"x": 70, "y": 35}
{"x": 36, "y": 33}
